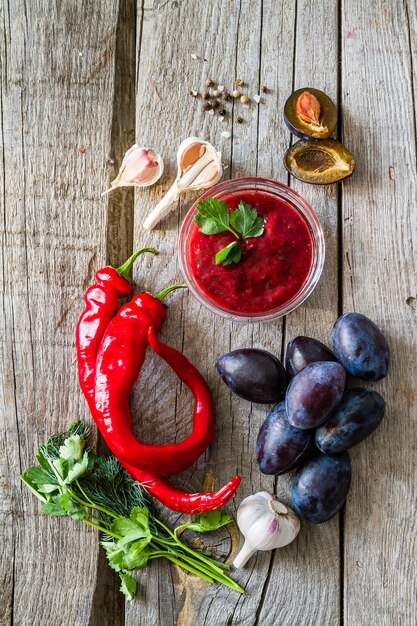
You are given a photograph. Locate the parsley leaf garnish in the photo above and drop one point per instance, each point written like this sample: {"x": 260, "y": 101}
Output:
{"x": 230, "y": 254}
{"x": 213, "y": 216}
{"x": 244, "y": 222}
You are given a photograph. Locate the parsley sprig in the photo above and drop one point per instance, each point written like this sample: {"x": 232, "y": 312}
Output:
{"x": 244, "y": 222}
{"x": 71, "y": 480}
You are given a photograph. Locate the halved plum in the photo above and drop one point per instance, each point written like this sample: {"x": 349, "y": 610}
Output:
{"x": 319, "y": 162}
{"x": 310, "y": 114}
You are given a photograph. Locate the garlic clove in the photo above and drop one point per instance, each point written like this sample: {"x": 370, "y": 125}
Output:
{"x": 141, "y": 167}
{"x": 266, "y": 524}
{"x": 199, "y": 167}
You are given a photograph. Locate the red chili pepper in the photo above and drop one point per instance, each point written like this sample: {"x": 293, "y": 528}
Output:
{"x": 119, "y": 361}
{"x": 102, "y": 302}
{"x": 181, "y": 501}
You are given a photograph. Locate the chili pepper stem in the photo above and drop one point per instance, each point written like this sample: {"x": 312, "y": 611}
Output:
{"x": 161, "y": 295}
{"x": 125, "y": 269}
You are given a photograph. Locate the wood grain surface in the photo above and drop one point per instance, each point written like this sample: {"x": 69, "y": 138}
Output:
{"x": 57, "y": 76}
{"x": 379, "y": 279}
{"x": 80, "y": 81}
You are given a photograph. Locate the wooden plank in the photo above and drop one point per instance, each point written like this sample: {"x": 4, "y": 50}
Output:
{"x": 248, "y": 43}
{"x": 166, "y": 73}
{"x": 108, "y": 603}
{"x": 379, "y": 270}
{"x": 297, "y": 595}
{"x": 57, "y": 70}
{"x": 239, "y": 421}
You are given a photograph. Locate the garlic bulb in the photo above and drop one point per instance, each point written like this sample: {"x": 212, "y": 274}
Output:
{"x": 199, "y": 167}
{"x": 266, "y": 524}
{"x": 141, "y": 167}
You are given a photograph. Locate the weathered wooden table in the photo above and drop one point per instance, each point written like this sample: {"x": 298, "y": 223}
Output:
{"x": 80, "y": 80}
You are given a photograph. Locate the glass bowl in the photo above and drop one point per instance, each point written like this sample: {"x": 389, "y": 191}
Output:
{"x": 287, "y": 195}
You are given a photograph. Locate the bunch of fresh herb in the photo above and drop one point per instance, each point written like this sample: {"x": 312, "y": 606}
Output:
{"x": 244, "y": 222}
{"x": 71, "y": 480}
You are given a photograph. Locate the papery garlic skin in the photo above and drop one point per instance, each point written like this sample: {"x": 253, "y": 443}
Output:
{"x": 141, "y": 167}
{"x": 199, "y": 167}
{"x": 266, "y": 524}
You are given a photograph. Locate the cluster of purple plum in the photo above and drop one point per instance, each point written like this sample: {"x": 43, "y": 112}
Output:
{"x": 316, "y": 419}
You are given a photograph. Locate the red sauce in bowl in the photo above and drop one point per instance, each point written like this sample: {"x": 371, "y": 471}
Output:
{"x": 273, "y": 268}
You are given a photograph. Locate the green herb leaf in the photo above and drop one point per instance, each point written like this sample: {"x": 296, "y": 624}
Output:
{"x": 140, "y": 516}
{"x": 115, "y": 554}
{"x": 73, "y": 448}
{"x": 128, "y": 586}
{"x": 61, "y": 466}
{"x": 54, "y": 507}
{"x": 211, "y": 521}
{"x": 49, "y": 488}
{"x": 230, "y": 254}
{"x": 40, "y": 481}
{"x": 37, "y": 476}
{"x": 77, "y": 469}
{"x": 32, "y": 486}
{"x": 137, "y": 556}
{"x": 42, "y": 458}
{"x": 246, "y": 221}
{"x": 73, "y": 508}
{"x": 137, "y": 527}
{"x": 212, "y": 216}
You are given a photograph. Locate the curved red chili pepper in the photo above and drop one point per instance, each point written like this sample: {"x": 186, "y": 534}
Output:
{"x": 181, "y": 501}
{"x": 124, "y": 344}
{"x": 101, "y": 306}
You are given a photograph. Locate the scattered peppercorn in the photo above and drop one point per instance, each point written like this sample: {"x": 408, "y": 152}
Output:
{"x": 220, "y": 93}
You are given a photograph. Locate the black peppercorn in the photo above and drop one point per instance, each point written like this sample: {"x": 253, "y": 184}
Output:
{"x": 207, "y": 106}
